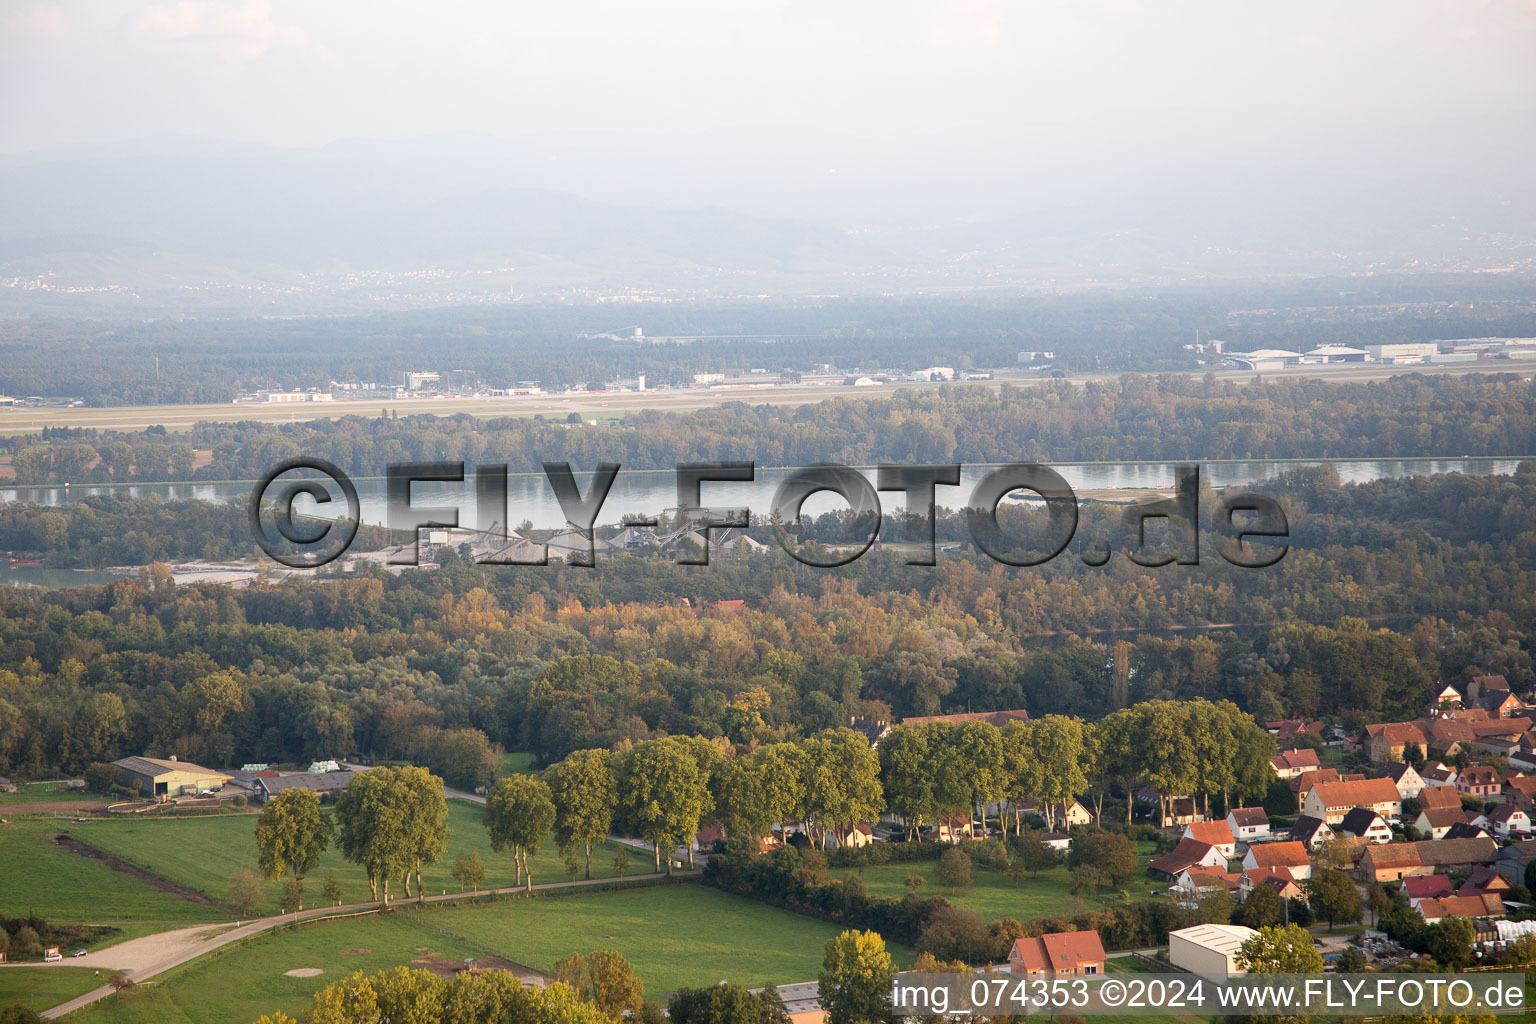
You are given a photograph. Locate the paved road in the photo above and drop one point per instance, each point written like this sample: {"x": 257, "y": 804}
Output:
{"x": 644, "y": 847}
{"x": 144, "y": 958}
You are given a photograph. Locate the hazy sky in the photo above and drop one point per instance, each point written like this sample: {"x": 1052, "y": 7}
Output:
{"x": 311, "y": 71}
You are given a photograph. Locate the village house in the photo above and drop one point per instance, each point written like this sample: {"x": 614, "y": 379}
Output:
{"x": 1448, "y": 699}
{"x": 1311, "y": 832}
{"x": 1290, "y": 763}
{"x": 1332, "y": 800}
{"x": 1408, "y": 782}
{"x": 1195, "y": 883}
{"x": 1366, "y": 824}
{"x": 873, "y": 729}
{"x": 1505, "y": 705}
{"x": 1426, "y": 887}
{"x": 1189, "y": 853}
{"x": 1068, "y": 816}
{"x": 1479, "y": 780}
{"x": 1248, "y": 824}
{"x": 1521, "y": 792}
{"x": 1057, "y": 953}
{"x": 1435, "y": 822}
{"x": 1301, "y": 785}
{"x": 1480, "y": 687}
{"x": 858, "y": 837}
{"x": 1486, "y": 905}
{"x": 952, "y": 828}
{"x": 1386, "y": 741}
{"x": 1279, "y": 879}
{"x": 1292, "y": 856}
{"x": 1485, "y": 878}
{"x": 1492, "y": 694}
{"x": 1439, "y": 796}
{"x": 1058, "y": 841}
{"x": 1437, "y": 775}
{"x": 1474, "y": 828}
{"x": 1217, "y": 833}
{"x": 1392, "y": 862}
{"x": 1474, "y": 730}
{"x": 1180, "y": 809}
{"x": 1288, "y": 728}
{"x": 1508, "y": 820}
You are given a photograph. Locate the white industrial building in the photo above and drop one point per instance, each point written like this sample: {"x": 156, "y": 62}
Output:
{"x": 283, "y": 397}
{"x": 1265, "y": 358}
{"x": 1335, "y": 354}
{"x": 1406, "y": 352}
{"x": 1208, "y": 948}
{"x": 933, "y": 373}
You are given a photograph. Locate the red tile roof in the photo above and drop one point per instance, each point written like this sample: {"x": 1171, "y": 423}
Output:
{"x": 1362, "y": 793}
{"x": 1217, "y": 833}
{"x": 1187, "y": 853}
{"x": 1486, "y": 905}
{"x": 1294, "y": 759}
{"x": 1439, "y": 796}
{"x": 1059, "y": 951}
{"x": 1425, "y": 887}
{"x": 1288, "y": 854}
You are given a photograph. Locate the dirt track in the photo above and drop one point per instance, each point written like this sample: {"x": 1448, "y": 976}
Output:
{"x": 118, "y": 864}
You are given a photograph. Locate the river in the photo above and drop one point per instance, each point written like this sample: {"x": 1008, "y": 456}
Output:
{"x": 650, "y": 492}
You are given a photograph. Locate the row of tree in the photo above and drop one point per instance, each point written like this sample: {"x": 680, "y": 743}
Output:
{"x": 389, "y": 821}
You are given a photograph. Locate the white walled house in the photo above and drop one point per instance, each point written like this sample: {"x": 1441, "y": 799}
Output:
{"x": 1248, "y": 824}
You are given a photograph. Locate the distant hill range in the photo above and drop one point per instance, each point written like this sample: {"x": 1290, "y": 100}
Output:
{"x": 203, "y": 226}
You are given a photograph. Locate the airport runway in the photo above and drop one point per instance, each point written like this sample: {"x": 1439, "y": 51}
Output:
{"x": 604, "y": 405}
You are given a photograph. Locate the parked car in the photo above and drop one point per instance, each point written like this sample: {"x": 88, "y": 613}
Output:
{"x": 78, "y": 952}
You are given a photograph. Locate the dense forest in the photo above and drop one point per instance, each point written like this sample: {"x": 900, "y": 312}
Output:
{"x": 1387, "y": 588}
{"x": 1134, "y": 418}
{"x": 1390, "y": 587}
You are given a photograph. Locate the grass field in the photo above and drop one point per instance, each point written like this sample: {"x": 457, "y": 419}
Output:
{"x": 202, "y": 854}
{"x": 241, "y": 982}
{"x": 993, "y": 894}
{"x": 46, "y": 793}
{"x": 675, "y": 935}
{"x": 57, "y": 885}
{"x": 38, "y": 988}
{"x": 517, "y": 762}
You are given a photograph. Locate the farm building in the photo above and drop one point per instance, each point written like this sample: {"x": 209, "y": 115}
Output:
{"x": 155, "y": 777}
{"x": 324, "y": 783}
{"x": 1208, "y": 948}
